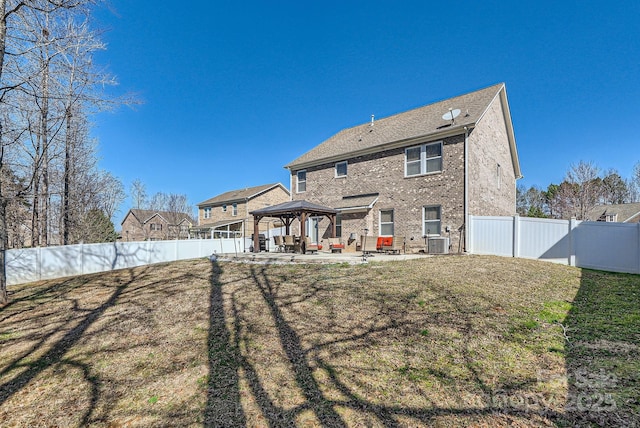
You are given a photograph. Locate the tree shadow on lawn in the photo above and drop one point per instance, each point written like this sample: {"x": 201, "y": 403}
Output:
{"x": 325, "y": 396}
{"x": 27, "y": 367}
{"x": 603, "y": 342}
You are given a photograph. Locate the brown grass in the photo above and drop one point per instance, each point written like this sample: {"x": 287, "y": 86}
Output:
{"x": 448, "y": 341}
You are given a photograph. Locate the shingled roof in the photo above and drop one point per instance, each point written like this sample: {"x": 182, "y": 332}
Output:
{"x": 173, "y": 218}
{"x": 626, "y": 213}
{"x": 240, "y": 194}
{"x": 412, "y": 124}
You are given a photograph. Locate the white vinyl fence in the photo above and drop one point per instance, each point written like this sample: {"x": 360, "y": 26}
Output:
{"x": 35, "y": 264}
{"x": 596, "y": 245}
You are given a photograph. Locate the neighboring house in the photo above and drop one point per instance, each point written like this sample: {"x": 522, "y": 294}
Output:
{"x": 617, "y": 213}
{"x": 143, "y": 225}
{"x": 229, "y": 212}
{"x": 417, "y": 174}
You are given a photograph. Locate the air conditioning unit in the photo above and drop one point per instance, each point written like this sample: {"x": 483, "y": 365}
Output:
{"x": 438, "y": 246}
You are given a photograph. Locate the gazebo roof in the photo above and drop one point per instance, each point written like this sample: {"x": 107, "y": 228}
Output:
{"x": 293, "y": 209}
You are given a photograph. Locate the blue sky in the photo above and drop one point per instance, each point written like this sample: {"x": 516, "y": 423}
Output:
{"x": 233, "y": 91}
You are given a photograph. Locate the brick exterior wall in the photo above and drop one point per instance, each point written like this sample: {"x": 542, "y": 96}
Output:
{"x": 274, "y": 196}
{"x": 492, "y": 189}
{"x": 383, "y": 173}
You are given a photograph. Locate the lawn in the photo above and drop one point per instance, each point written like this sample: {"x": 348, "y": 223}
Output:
{"x": 443, "y": 341}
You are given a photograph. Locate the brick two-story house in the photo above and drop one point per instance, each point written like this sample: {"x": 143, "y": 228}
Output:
{"x": 229, "y": 211}
{"x": 417, "y": 174}
{"x": 144, "y": 225}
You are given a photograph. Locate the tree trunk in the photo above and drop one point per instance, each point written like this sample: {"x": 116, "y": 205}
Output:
{"x": 66, "y": 220}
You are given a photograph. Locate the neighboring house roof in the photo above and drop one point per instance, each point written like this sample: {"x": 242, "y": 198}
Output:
{"x": 240, "y": 195}
{"x": 144, "y": 216}
{"x": 624, "y": 213}
{"x": 217, "y": 224}
{"x": 403, "y": 128}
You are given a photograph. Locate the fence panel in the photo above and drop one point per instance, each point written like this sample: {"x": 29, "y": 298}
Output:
{"x": 22, "y": 265}
{"x": 492, "y": 235}
{"x": 596, "y": 245}
{"x": 544, "y": 239}
{"x": 34, "y": 264}
{"x": 608, "y": 246}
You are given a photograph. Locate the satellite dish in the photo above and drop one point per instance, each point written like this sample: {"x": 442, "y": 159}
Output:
{"x": 451, "y": 114}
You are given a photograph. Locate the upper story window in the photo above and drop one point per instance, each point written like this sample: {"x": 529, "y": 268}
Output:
{"x": 386, "y": 222}
{"x": 612, "y": 217}
{"x": 431, "y": 220}
{"x": 301, "y": 181}
{"x": 155, "y": 226}
{"x": 206, "y": 213}
{"x": 224, "y": 208}
{"x": 341, "y": 169}
{"x": 424, "y": 159}
{"x": 234, "y": 212}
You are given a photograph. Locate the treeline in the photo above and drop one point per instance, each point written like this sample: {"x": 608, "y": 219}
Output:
{"x": 51, "y": 189}
{"x": 584, "y": 187}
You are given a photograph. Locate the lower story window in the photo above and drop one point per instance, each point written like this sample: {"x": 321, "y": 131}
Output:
{"x": 432, "y": 220}
{"x": 386, "y": 222}
{"x": 338, "y": 226}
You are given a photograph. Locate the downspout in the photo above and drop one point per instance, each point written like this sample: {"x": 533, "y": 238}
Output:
{"x": 466, "y": 189}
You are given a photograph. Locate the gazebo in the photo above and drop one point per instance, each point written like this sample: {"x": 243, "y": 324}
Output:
{"x": 289, "y": 211}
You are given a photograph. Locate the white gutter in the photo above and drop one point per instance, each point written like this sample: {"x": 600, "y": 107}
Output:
{"x": 466, "y": 189}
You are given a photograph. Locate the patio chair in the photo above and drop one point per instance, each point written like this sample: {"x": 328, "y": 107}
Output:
{"x": 369, "y": 244}
{"x": 335, "y": 245}
{"x": 289, "y": 243}
{"x": 397, "y": 245}
{"x": 279, "y": 242}
{"x": 308, "y": 246}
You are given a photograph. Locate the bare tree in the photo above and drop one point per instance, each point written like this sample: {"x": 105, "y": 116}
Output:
{"x": 14, "y": 80}
{"x": 583, "y": 189}
{"x": 138, "y": 194}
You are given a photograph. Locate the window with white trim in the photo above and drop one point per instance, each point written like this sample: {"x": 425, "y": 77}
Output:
{"x": 155, "y": 226}
{"x": 424, "y": 159}
{"x": 301, "y": 181}
{"x": 431, "y": 220}
{"x": 386, "y": 222}
{"x": 338, "y": 226}
{"x": 341, "y": 169}
{"x": 206, "y": 213}
{"x": 234, "y": 211}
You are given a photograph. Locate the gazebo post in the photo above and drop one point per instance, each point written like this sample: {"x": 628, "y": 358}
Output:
{"x": 332, "y": 219}
{"x": 303, "y": 221}
{"x": 256, "y": 233}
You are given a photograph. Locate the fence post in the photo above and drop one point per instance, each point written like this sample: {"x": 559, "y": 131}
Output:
{"x": 515, "y": 251}
{"x": 638, "y": 245}
{"x": 572, "y": 253}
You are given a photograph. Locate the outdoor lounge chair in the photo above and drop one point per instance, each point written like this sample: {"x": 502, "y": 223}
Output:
{"x": 279, "y": 242}
{"x": 289, "y": 243}
{"x": 369, "y": 244}
{"x": 308, "y": 246}
{"x": 396, "y": 246}
{"x": 335, "y": 245}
